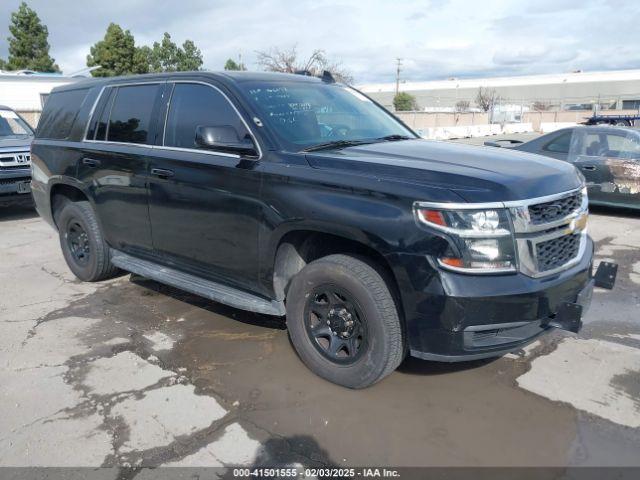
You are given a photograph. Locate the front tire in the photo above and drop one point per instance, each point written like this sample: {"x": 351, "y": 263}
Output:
{"x": 83, "y": 246}
{"x": 343, "y": 321}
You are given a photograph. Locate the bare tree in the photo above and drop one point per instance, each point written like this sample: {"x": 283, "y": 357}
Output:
{"x": 487, "y": 98}
{"x": 462, "y": 105}
{"x": 540, "y": 106}
{"x": 288, "y": 61}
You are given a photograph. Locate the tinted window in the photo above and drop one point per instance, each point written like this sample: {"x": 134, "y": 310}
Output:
{"x": 194, "y": 105}
{"x": 130, "y": 118}
{"x": 101, "y": 116}
{"x": 560, "y": 144}
{"x": 59, "y": 113}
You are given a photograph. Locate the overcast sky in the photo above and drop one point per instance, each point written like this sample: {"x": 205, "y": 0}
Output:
{"x": 436, "y": 38}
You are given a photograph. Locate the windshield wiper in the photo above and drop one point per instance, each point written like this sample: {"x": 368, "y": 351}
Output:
{"x": 394, "y": 137}
{"x": 335, "y": 144}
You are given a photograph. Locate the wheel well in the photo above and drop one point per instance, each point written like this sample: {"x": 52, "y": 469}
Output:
{"x": 298, "y": 248}
{"x": 62, "y": 193}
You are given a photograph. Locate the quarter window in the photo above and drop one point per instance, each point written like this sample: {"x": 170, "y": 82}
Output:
{"x": 130, "y": 119}
{"x": 194, "y": 105}
{"x": 59, "y": 113}
{"x": 560, "y": 144}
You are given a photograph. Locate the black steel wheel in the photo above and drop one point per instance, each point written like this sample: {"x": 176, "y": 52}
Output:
{"x": 343, "y": 321}
{"x": 83, "y": 246}
{"x": 335, "y": 324}
{"x": 78, "y": 242}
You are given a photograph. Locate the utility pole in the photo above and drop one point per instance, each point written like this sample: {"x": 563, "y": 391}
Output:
{"x": 398, "y": 65}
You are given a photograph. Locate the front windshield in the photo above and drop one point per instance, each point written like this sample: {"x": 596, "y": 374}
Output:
{"x": 12, "y": 126}
{"x": 307, "y": 114}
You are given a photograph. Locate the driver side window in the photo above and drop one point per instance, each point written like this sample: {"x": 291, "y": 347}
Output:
{"x": 193, "y": 105}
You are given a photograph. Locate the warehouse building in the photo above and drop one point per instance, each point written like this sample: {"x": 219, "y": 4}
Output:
{"x": 25, "y": 91}
{"x": 617, "y": 90}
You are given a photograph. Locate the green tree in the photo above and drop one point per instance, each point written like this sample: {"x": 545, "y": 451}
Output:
{"x": 189, "y": 57}
{"x": 117, "y": 54}
{"x": 166, "y": 56}
{"x": 230, "y": 64}
{"x": 28, "y": 43}
{"x": 404, "y": 101}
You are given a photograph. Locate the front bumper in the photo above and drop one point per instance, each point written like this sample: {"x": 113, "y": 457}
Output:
{"x": 457, "y": 317}
{"x": 12, "y": 184}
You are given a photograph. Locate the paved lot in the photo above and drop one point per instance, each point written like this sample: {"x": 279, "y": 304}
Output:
{"x": 129, "y": 372}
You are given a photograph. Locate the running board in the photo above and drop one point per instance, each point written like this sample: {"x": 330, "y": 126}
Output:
{"x": 199, "y": 286}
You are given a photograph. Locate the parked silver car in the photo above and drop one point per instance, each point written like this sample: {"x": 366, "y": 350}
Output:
{"x": 15, "y": 160}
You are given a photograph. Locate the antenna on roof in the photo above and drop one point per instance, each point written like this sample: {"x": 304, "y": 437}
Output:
{"x": 327, "y": 77}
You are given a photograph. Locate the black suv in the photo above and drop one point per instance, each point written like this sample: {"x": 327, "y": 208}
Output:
{"x": 299, "y": 196}
{"x": 15, "y": 171}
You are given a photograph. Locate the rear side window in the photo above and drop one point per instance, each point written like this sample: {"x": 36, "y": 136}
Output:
{"x": 130, "y": 118}
{"x": 560, "y": 144}
{"x": 101, "y": 116}
{"x": 194, "y": 105}
{"x": 59, "y": 113}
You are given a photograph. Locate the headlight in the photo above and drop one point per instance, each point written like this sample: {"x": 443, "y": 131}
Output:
{"x": 480, "y": 240}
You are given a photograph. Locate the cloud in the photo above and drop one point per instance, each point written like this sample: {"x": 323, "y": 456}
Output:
{"x": 436, "y": 38}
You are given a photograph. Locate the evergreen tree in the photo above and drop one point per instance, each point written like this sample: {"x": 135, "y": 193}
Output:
{"x": 190, "y": 57}
{"x": 166, "y": 56}
{"x": 28, "y": 43}
{"x": 233, "y": 65}
{"x": 117, "y": 54}
{"x": 404, "y": 101}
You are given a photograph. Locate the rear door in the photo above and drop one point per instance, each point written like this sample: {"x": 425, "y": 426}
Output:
{"x": 588, "y": 147}
{"x": 204, "y": 204}
{"x": 621, "y": 165}
{"x": 115, "y": 162}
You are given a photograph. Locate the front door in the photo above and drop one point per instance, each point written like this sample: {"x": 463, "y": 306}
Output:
{"x": 115, "y": 160}
{"x": 204, "y": 204}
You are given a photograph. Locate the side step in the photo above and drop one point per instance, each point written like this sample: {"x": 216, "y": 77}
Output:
{"x": 199, "y": 286}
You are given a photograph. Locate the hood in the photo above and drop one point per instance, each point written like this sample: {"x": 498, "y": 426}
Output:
{"x": 477, "y": 174}
{"x": 15, "y": 144}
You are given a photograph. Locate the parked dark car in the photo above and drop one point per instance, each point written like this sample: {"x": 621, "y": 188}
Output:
{"x": 15, "y": 160}
{"x": 608, "y": 157}
{"x": 617, "y": 120}
{"x": 292, "y": 195}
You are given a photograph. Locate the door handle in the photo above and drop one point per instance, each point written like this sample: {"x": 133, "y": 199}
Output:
{"x": 589, "y": 167}
{"x": 90, "y": 162}
{"x": 162, "y": 173}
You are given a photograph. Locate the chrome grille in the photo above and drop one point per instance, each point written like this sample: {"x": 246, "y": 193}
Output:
{"x": 550, "y": 232}
{"x": 555, "y": 253}
{"x": 15, "y": 160}
{"x": 550, "y": 211}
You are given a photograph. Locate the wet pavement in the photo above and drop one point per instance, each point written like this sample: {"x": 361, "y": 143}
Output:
{"x": 131, "y": 372}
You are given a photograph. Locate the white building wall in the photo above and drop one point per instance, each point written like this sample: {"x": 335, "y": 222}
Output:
{"x": 22, "y": 92}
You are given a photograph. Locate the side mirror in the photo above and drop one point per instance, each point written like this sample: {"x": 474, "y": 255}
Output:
{"x": 225, "y": 138}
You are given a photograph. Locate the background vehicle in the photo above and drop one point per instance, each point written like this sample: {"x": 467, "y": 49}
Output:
{"x": 608, "y": 157}
{"x": 617, "y": 120}
{"x": 15, "y": 160}
{"x": 291, "y": 195}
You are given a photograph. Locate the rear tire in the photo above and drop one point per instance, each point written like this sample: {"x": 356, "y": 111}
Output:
{"x": 343, "y": 321}
{"x": 83, "y": 246}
